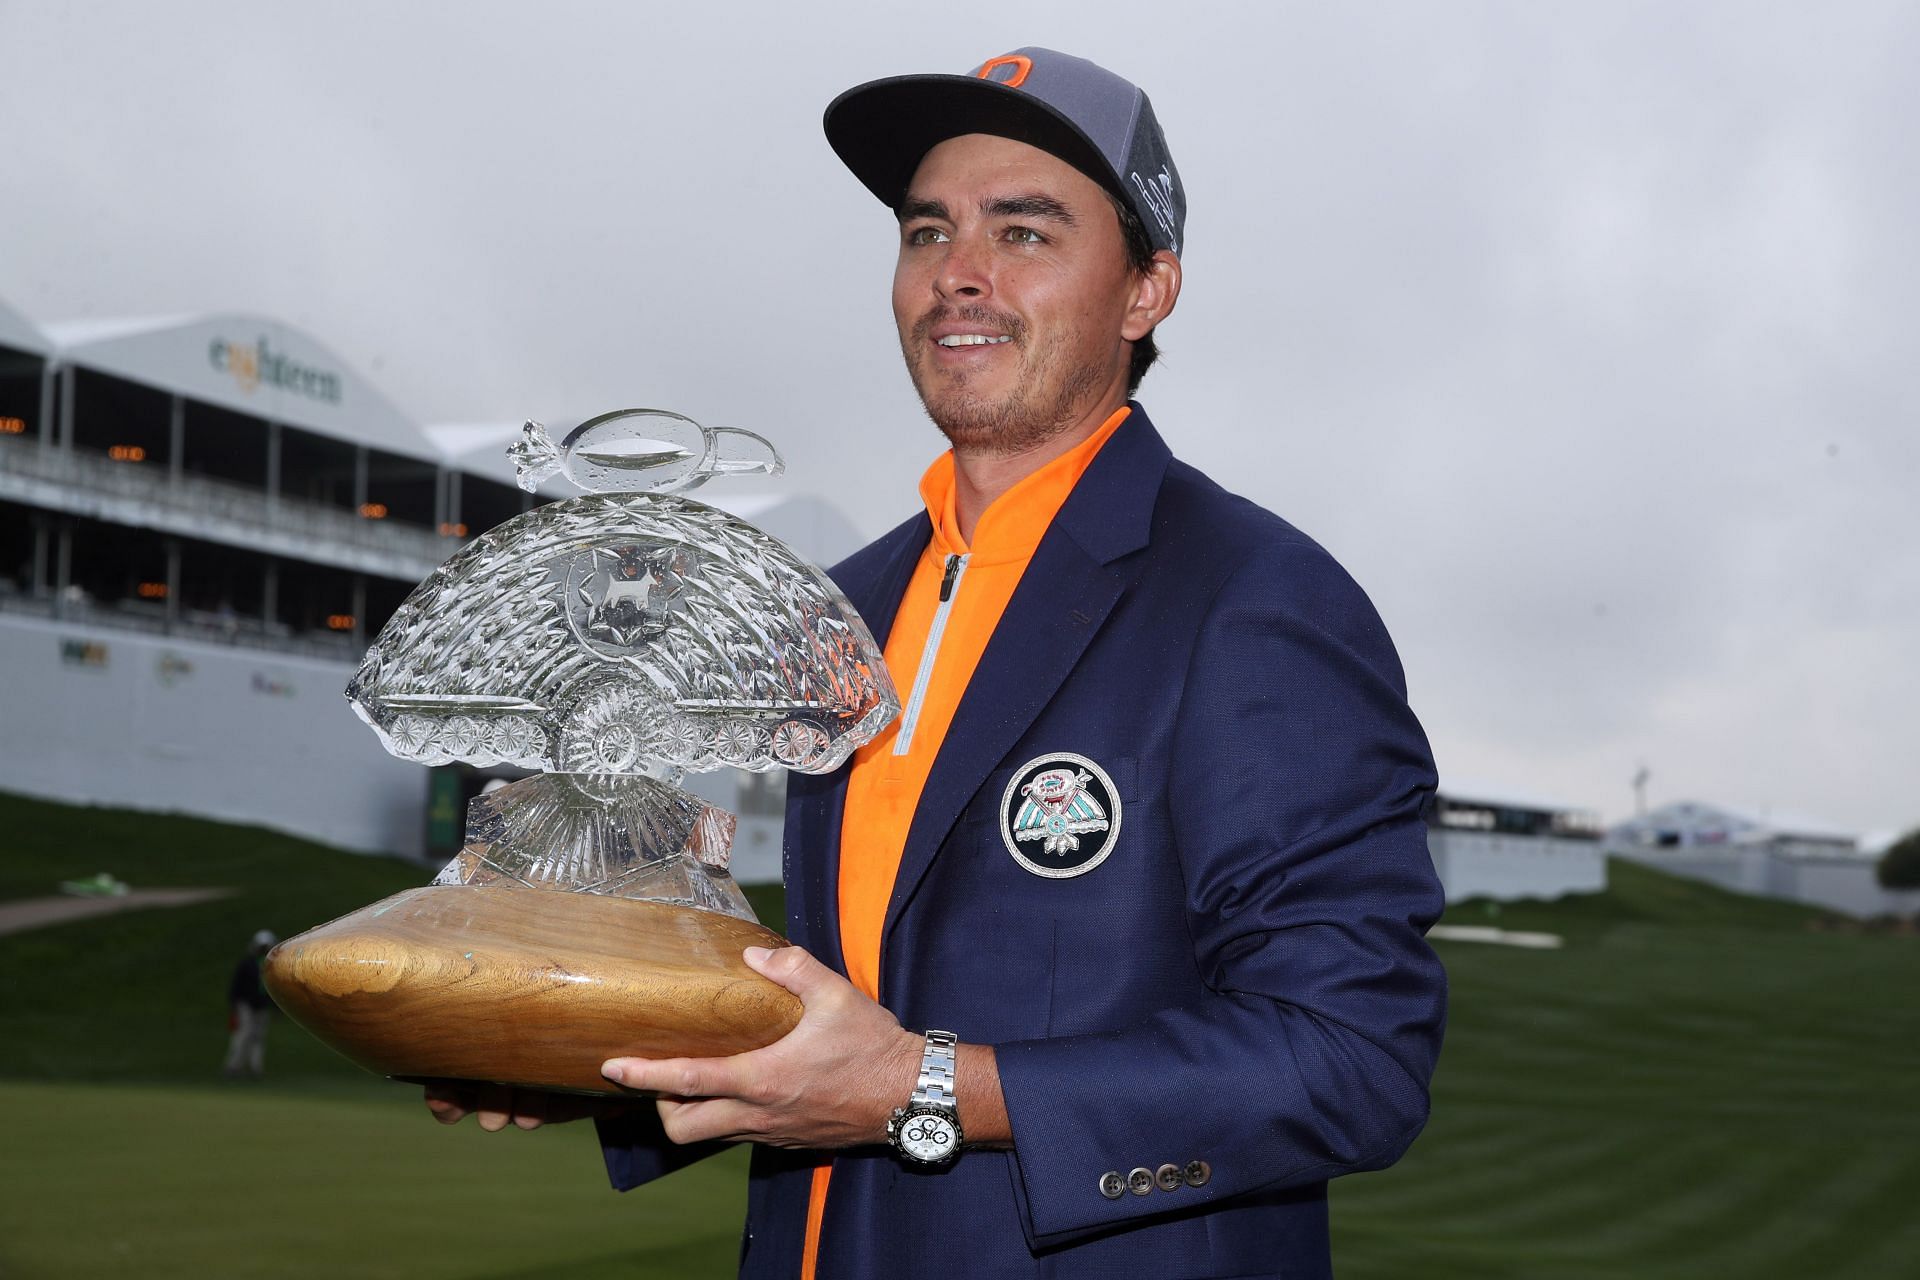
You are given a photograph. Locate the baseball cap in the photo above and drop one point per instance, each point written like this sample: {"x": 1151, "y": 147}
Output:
{"x": 1094, "y": 120}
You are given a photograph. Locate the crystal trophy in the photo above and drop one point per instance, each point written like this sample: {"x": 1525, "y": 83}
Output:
{"x": 611, "y": 643}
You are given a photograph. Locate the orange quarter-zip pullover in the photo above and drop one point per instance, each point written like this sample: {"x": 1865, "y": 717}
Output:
{"x": 950, "y": 610}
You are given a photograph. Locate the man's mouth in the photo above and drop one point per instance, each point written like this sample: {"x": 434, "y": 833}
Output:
{"x": 973, "y": 339}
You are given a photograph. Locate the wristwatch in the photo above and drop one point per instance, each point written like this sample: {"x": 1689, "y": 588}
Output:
{"x": 927, "y": 1130}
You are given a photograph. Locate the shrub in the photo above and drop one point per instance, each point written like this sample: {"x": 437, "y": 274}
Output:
{"x": 1900, "y": 864}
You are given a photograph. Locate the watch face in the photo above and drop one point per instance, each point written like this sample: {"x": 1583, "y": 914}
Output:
{"x": 928, "y": 1136}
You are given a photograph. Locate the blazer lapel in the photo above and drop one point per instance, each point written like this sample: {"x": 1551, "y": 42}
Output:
{"x": 823, "y": 800}
{"x": 1076, "y": 576}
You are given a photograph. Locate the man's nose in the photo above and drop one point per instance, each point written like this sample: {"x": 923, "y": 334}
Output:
{"x": 964, "y": 272}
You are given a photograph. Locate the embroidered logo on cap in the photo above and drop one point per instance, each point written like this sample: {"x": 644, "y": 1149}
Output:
{"x": 1060, "y": 815}
{"x": 1157, "y": 191}
{"x": 1018, "y": 66}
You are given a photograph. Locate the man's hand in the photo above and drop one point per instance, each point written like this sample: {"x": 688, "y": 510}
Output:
{"x": 497, "y": 1105}
{"x": 830, "y": 1082}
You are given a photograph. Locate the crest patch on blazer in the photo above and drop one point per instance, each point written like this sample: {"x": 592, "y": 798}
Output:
{"x": 1060, "y": 815}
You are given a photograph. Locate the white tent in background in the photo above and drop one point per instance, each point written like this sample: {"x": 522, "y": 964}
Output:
{"x": 21, "y": 334}
{"x": 1690, "y": 824}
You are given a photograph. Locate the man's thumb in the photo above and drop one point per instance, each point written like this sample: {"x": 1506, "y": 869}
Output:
{"x": 791, "y": 967}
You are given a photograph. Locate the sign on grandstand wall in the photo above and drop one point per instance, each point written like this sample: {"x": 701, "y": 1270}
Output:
{"x": 252, "y": 365}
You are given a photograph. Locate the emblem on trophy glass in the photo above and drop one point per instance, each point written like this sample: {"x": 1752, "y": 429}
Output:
{"x": 611, "y": 642}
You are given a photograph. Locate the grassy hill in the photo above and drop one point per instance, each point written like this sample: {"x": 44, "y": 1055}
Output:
{"x": 141, "y": 996}
{"x": 1697, "y": 1083}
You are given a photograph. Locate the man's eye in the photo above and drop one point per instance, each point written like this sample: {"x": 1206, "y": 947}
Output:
{"x": 1025, "y": 235}
{"x": 926, "y": 235}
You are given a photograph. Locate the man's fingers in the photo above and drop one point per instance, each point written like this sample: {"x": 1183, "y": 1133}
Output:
{"x": 703, "y": 1120}
{"x": 448, "y": 1104}
{"x": 680, "y": 1077}
{"x": 530, "y": 1108}
{"x": 495, "y": 1107}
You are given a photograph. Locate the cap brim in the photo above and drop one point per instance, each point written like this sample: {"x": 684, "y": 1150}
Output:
{"x": 882, "y": 129}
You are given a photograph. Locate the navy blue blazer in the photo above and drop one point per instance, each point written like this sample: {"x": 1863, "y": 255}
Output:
{"x": 1243, "y": 981}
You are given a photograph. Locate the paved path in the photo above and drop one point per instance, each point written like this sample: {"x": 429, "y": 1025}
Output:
{"x": 1501, "y": 937}
{"x": 37, "y": 913}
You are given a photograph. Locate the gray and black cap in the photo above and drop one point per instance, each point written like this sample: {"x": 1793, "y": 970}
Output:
{"x": 1089, "y": 117}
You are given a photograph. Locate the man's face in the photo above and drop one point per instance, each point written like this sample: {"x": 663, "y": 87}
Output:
{"x": 1010, "y": 294}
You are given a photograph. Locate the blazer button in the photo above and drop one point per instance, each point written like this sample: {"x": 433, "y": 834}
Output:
{"x": 1112, "y": 1185}
{"x": 1169, "y": 1177}
{"x": 1140, "y": 1182}
{"x": 1198, "y": 1171}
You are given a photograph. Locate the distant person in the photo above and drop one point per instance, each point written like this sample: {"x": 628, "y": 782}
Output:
{"x": 252, "y": 1010}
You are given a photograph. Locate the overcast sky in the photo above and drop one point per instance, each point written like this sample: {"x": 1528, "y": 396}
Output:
{"x": 1584, "y": 335}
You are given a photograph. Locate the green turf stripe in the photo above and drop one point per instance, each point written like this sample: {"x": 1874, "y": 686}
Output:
{"x": 1886, "y": 1241}
{"x": 1820, "y": 1221}
{"x": 1469, "y": 1193}
{"x": 1572, "y": 1203}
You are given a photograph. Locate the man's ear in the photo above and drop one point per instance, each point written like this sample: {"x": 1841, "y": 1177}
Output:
{"x": 1154, "y": 292}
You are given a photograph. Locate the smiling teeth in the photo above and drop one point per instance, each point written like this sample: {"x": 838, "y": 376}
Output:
{"x": 973, "y": 340}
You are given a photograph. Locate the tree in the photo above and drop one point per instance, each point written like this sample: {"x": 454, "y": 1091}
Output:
{"x": 1900, "y": 864}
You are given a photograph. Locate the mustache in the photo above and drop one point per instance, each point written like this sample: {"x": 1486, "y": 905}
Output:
{"x": 985, "y": 317}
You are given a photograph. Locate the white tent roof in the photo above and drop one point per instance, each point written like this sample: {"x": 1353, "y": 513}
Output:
{"x": 18, "y": 332}
{"x": 1721, "y": 823}
{"x": 250, "y": 364}
{"x": 1791, "y": 822}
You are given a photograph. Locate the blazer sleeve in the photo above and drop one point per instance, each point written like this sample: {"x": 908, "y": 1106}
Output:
{"x": 637, "y": 1149}
{"x": 1298, "y": 787}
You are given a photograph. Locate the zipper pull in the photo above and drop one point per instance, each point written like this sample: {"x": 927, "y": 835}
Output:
{"x": 946, "y": 583}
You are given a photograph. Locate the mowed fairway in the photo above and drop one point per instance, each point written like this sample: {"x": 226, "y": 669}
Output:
{"x": 1697, "y": 1085}
{"x": 104, "y": 1180}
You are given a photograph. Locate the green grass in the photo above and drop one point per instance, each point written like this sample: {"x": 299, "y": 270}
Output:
{"x": 125, "y": 1153}
{"x": 141, "y": 996}
{"x": 194, "y": 1182}
{"x": 1699, "y": 1083}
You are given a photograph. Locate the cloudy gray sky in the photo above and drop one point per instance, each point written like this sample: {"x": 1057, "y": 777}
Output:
{"x": 1583, "y": 334}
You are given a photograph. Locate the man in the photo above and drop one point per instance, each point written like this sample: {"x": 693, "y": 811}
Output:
{"x": 1142, "y": 863}
{"x": 249, "y": 1011}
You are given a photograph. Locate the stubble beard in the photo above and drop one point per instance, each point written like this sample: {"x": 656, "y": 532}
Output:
{"x": 1023, "y": 419}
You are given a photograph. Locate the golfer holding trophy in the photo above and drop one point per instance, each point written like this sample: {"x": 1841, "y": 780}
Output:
{"x": 1108, "y": 948}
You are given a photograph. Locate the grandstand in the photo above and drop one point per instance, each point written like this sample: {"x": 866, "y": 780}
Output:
{"x": 1496, "y": 842}
{"x": 203, "y": 521}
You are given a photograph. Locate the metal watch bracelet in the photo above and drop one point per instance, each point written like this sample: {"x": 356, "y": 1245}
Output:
{"x": 937, "y": 1066}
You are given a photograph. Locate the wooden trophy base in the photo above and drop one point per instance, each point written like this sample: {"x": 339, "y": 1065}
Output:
{"x": 528, "y": 987}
